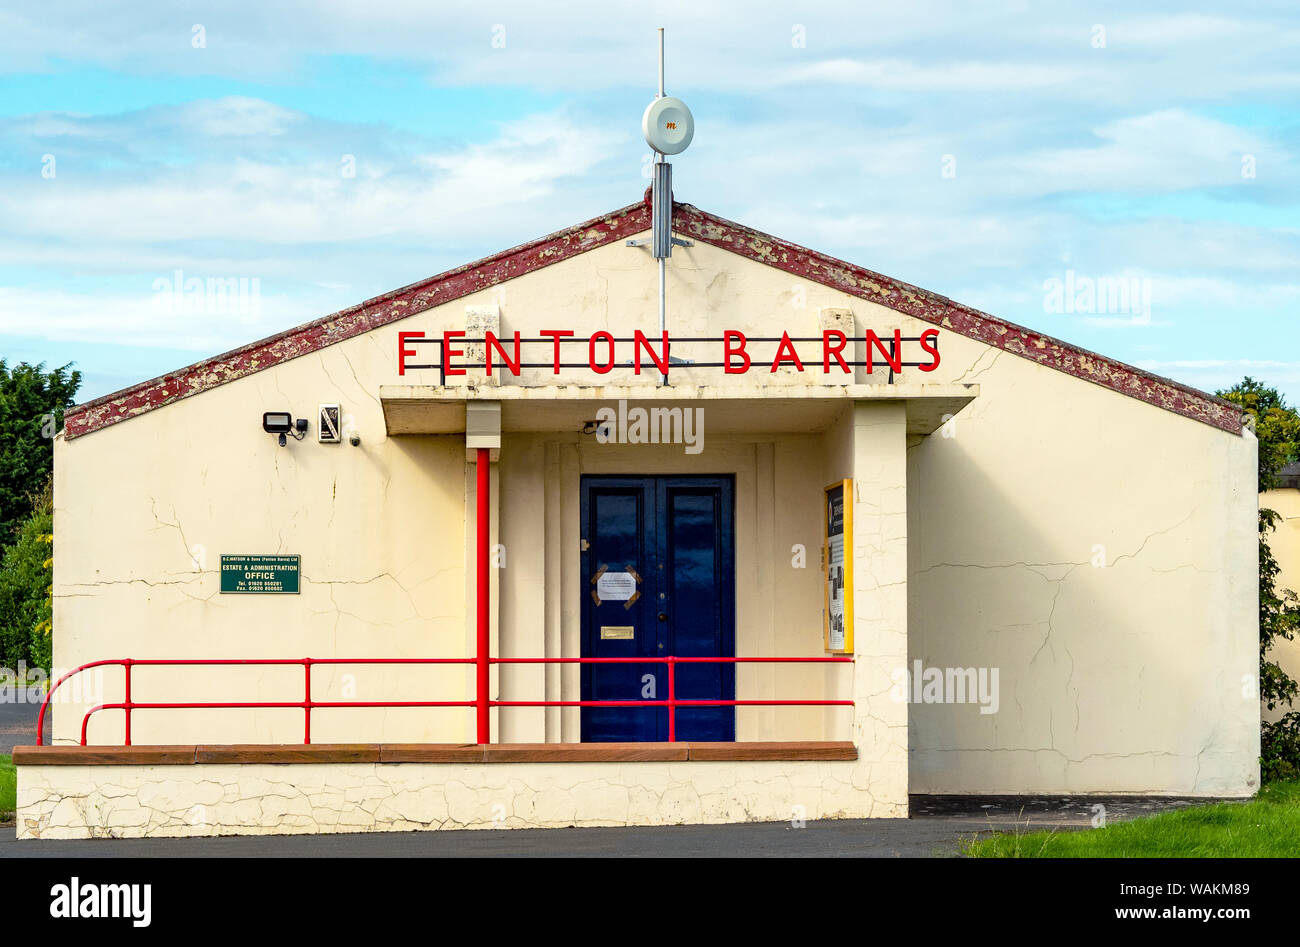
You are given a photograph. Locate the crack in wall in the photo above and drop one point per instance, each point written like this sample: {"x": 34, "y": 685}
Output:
{"x": 221, "y": 799}
{"x": 968, "y": 378}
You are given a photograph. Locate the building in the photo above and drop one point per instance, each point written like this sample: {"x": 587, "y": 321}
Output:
{"x": 1017, "y": 566}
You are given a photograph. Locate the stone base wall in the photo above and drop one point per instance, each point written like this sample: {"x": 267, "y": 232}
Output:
{"x": 143, "y": 801}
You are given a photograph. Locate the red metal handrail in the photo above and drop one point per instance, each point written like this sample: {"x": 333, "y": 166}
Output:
{"x": 672, "y": 703}
{"x": 307, "y": 704}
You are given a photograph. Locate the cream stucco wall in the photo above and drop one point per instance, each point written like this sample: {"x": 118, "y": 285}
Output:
{"x": 972, "y": 549}
{"x": 1101, "y": 554}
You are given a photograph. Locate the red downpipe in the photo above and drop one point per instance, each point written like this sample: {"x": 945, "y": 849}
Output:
{"x": 481, "y": 658}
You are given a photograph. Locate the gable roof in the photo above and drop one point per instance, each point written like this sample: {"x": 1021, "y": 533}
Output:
{"x": 621, "y": 224}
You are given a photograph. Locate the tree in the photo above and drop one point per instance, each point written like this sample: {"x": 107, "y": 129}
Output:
{"x": 1277, "y": 428}
{"x": 27, "y": 588}
{"x": 32, "y": 402}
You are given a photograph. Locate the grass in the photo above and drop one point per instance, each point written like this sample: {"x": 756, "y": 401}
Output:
{"x": 1266, "y": 827}
{"x": 8, "y": 788}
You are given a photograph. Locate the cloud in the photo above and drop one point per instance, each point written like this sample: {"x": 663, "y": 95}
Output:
{"x": 238, "y": 117}
{"x": 1218, "y": 374}
{"x": 1168, "y": 150}
{"x": 1125, "y": 159}
{"x": 202, "y": 322}
{"x": 283, "y": 219}
{"x": 928, "y": 46}
{"x": 298, "y": 191}
{"x": 959, "y": 77}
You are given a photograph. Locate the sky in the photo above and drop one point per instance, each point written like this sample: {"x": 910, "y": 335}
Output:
{"x": 1123, "y": 176}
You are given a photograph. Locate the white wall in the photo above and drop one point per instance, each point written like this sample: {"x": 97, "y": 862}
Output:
{"x": 1101, "y": 553}
{"x": 1125, "y": 677}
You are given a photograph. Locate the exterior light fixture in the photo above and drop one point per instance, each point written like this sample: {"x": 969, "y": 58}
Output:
{"x": 283, "y": 423}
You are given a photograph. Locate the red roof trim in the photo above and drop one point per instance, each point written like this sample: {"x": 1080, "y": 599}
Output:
{"x": 354, "y": 321}
{"x": 635, "y": 218}
{"x": 941, "y": 311}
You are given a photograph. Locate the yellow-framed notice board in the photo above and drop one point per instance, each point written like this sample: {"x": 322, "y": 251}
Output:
{"x": 837, "y": 567}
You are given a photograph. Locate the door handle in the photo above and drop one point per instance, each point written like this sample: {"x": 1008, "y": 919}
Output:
{"x": 663, "y": 616}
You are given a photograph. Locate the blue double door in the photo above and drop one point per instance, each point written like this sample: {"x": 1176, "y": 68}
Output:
{"x": 659, "y": 579}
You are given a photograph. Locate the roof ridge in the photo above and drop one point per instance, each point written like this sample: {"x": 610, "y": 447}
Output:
{"x": 355, "y": 320}
{"x": 717, "y": 231}
{"x": 965, "y": 320}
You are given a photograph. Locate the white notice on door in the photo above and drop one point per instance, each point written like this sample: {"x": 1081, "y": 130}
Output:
{"x": 615, "y": 586}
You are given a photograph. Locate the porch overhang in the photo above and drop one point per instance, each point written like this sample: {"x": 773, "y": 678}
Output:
{"x": 733, "y": 409}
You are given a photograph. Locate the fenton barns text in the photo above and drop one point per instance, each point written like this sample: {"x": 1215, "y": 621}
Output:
{"x": 604, "y": 352}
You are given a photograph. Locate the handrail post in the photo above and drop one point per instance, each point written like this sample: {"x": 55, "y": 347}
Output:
{"x": 126, "y": 664}
{"x": 482, "y": 679}
{"x": 306, "y": 706}
{"x": 672, "y": 699}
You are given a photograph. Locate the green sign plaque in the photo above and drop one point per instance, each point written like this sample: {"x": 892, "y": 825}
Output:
{"x": 260, "y": 574}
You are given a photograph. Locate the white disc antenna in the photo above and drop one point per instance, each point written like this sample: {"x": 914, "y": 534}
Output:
{"x": 668, "y": 125}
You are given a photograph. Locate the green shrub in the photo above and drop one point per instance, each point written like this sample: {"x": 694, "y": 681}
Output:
{"x": 8, "y": 787}
{"x": 1277, "y": 430}
{"x": 1280, "y": 748}
{"x": 26, "y": 590}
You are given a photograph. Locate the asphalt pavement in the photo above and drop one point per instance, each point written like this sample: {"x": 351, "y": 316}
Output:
{"x": 880, "y": 838}
{"x": 18, "y": 718}
{"x": 938, "y": 826}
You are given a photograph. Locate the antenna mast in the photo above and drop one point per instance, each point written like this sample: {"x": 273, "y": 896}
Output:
{"x": 661, "y": 199}
{"x": 668, "y": 128}
{"x": 661, "y": 62}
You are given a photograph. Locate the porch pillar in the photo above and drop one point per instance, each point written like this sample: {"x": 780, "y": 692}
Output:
{"x": 873, "y": 439}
